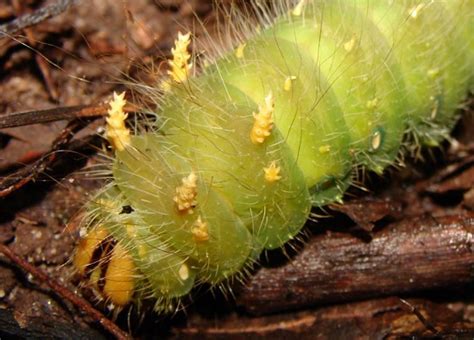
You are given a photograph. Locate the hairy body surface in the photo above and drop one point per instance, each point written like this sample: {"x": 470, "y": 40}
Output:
{"x": 242, "y": 151}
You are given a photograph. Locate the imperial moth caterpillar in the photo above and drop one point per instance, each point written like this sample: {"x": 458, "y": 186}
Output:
{"x": 241, "y": 152}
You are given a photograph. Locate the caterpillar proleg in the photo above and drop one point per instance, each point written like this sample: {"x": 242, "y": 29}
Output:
{"x": 241, "y": 151}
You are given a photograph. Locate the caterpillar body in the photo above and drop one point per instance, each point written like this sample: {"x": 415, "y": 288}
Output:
{"x": 240, "y": 153}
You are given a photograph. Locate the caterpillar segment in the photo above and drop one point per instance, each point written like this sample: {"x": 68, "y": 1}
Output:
{"x": 268, "y": 131}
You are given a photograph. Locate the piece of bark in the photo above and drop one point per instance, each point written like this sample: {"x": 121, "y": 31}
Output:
{"x": 387, "y": 318}
{"x": 366, "y": 218}
{"x": 412, "y": 255}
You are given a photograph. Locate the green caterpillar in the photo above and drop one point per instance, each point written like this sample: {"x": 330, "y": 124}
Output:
{"x": 240, "y": 153}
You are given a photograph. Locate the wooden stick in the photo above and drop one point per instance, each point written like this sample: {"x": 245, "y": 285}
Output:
{"x": 415, "y": 254}
{"x": 34, "y": 18}
{"x": 388, "y": 318}
{"x": 51, "y": 115}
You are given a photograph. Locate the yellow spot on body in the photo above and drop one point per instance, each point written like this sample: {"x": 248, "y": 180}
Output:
{"x": 372, "y": 104}
{"x": 186, "y": 193}
{"x": 119, "y": 277}
{"x": 106, "y": 204}
{"x": 200, "y": 230}
{"x": 324, "y": 149}
{"x": 349, "y": 45}
{"x": 376, "y": 140}
{"x": 239, "y": 52}
{"x": 298, "y": 10}
{"x": 433, "y": 73}
{"x": 131, "y": 230}
{"x": 272, "y": 172}
{"x": 183, "y": 272}
{"x": 180, "y": 66}
{"x": 263, "y": 121}
{"x": 117, "y": 133}
{"x": 288, "y": 83}
{"x": 86, "y": 248}
{"x": 415, "y": 10}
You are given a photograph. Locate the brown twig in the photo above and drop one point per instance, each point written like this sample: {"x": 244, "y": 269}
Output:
{"x": 51, "y": 115}
{"x": 55, "y": 114}
{"x": 65, "y": 293}
{"x": 23, "y": 176}
{"x": 34, "y": 18}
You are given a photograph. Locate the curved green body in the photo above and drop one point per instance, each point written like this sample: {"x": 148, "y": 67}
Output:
{"x": 363, "y": 74}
